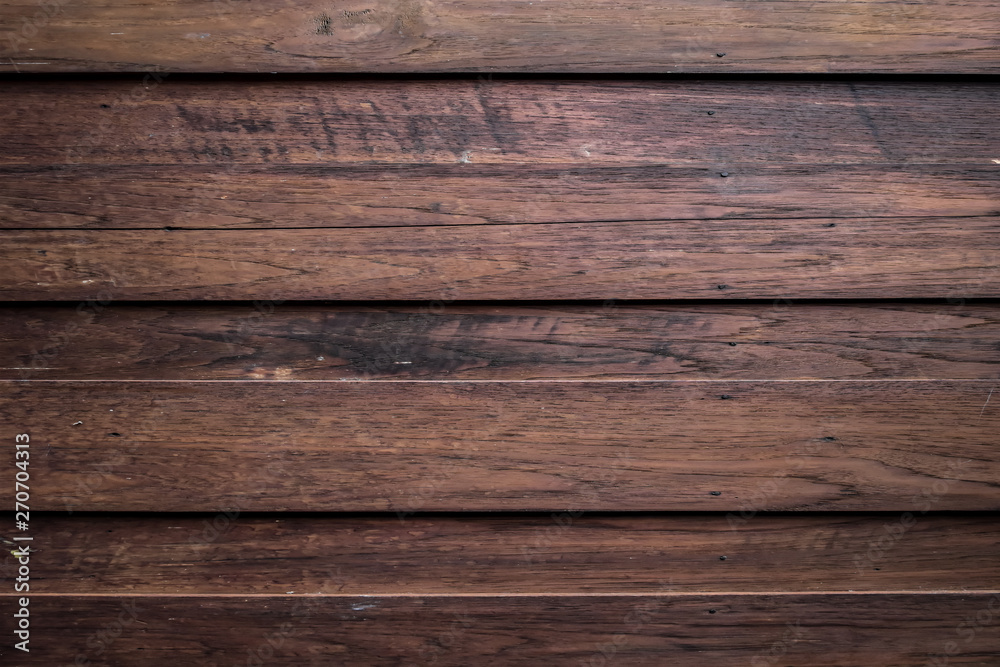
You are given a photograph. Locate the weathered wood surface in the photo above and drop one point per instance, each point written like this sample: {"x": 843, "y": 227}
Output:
{"x": 776, "y": 340}
{"x": 547, "y": 446}
{"x": 572, "y": 124}
{"x": 260, "y": 197}
{"x": 235, "y": 553}
{"x": 553, "y": 35}
{"x": 885, "y": 258}
{"x": 711, "y": 183}
{"x": 702, "y": 630}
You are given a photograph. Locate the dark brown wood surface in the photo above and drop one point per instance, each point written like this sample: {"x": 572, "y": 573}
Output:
{"x": 830, "y": 629}
{"x": 236, "y": 553}
{"x": 485, "y": 445}
{"x": 733, "y": 259}
{"x": 775, "y": 340}
{"x": 469, "y": 124}
{"x": 551, "y": 35}
{"x": 462, "y": 370}
{"x": 633, "y": 189}
{"x": 197, "y": 196}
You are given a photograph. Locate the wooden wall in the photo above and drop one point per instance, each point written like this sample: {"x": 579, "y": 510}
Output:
{"x": 429, "y": 332}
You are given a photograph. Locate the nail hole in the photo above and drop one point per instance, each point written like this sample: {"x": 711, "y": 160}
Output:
{"x": 711, "y": 611}
{"x": 715, "y": 493}
{"x": 724, "y": 174}
{"x": 115, "y": 435}
{"x": 721, "y": 286}
{"x": 732, "y": 345}
{"x": 830, "y": 224}
{"x": 829, "y": 438}
{"x": 711, "y": 113}
{"x": 105, "y": 106}
{"x": 725, "y": 397}
{"x": 719, "y": 55}
{"x": 723, "y": 557}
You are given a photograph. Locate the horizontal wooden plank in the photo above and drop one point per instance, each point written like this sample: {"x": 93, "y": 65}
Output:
{"x": 473, "y": 124}
{"x": 556, "y": 35}
{"x": 778, "y": 340}
{"x": 737, "y": 259}
{"x": 248, "y": 197}
{"x": 547, "y": 446}
{"x": 234, "y": 553}
{"x": 839, "y": 629}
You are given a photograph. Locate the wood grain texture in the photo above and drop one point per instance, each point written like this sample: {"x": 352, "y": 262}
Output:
{"x": 549, "y": 446}
{"x": 702, "y": 630}
{"x": 472, "y": 124}
{"x": 434, "y": 157}
{"x": 235, "y": 553}
{"x": 262, "y": 197}
{"x": 778, "y": 340}
{"x": 733, "y": 259}
{"x": 556, "y": 35}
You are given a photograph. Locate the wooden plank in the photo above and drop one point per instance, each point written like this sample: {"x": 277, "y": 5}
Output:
{"x": 235, "y": 553}
{"x": 262, "y": 197}
{"x": 228, "y": 132}
{"x": 472, "y": 124}
{"x": 545, "y": 446}
{"x": 778, "y": 340}
{"x": 556, "y": 35}
{"x": 887, "y": 258}
{"x": 816, "y": 629}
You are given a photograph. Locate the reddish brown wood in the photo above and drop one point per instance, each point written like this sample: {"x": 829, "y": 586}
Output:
{"x": 167, "y": 189}
{"x": 739, "y": 259}
{"x": 468, "y": 124}
{"x": 447, "y": 36}
{"x": 234, "y": 553}
{"x": 261, "y": 197}
{"x": 777, "y": 340}
{"x": 548, "y": 446}
{"x": 702, "y": 630}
